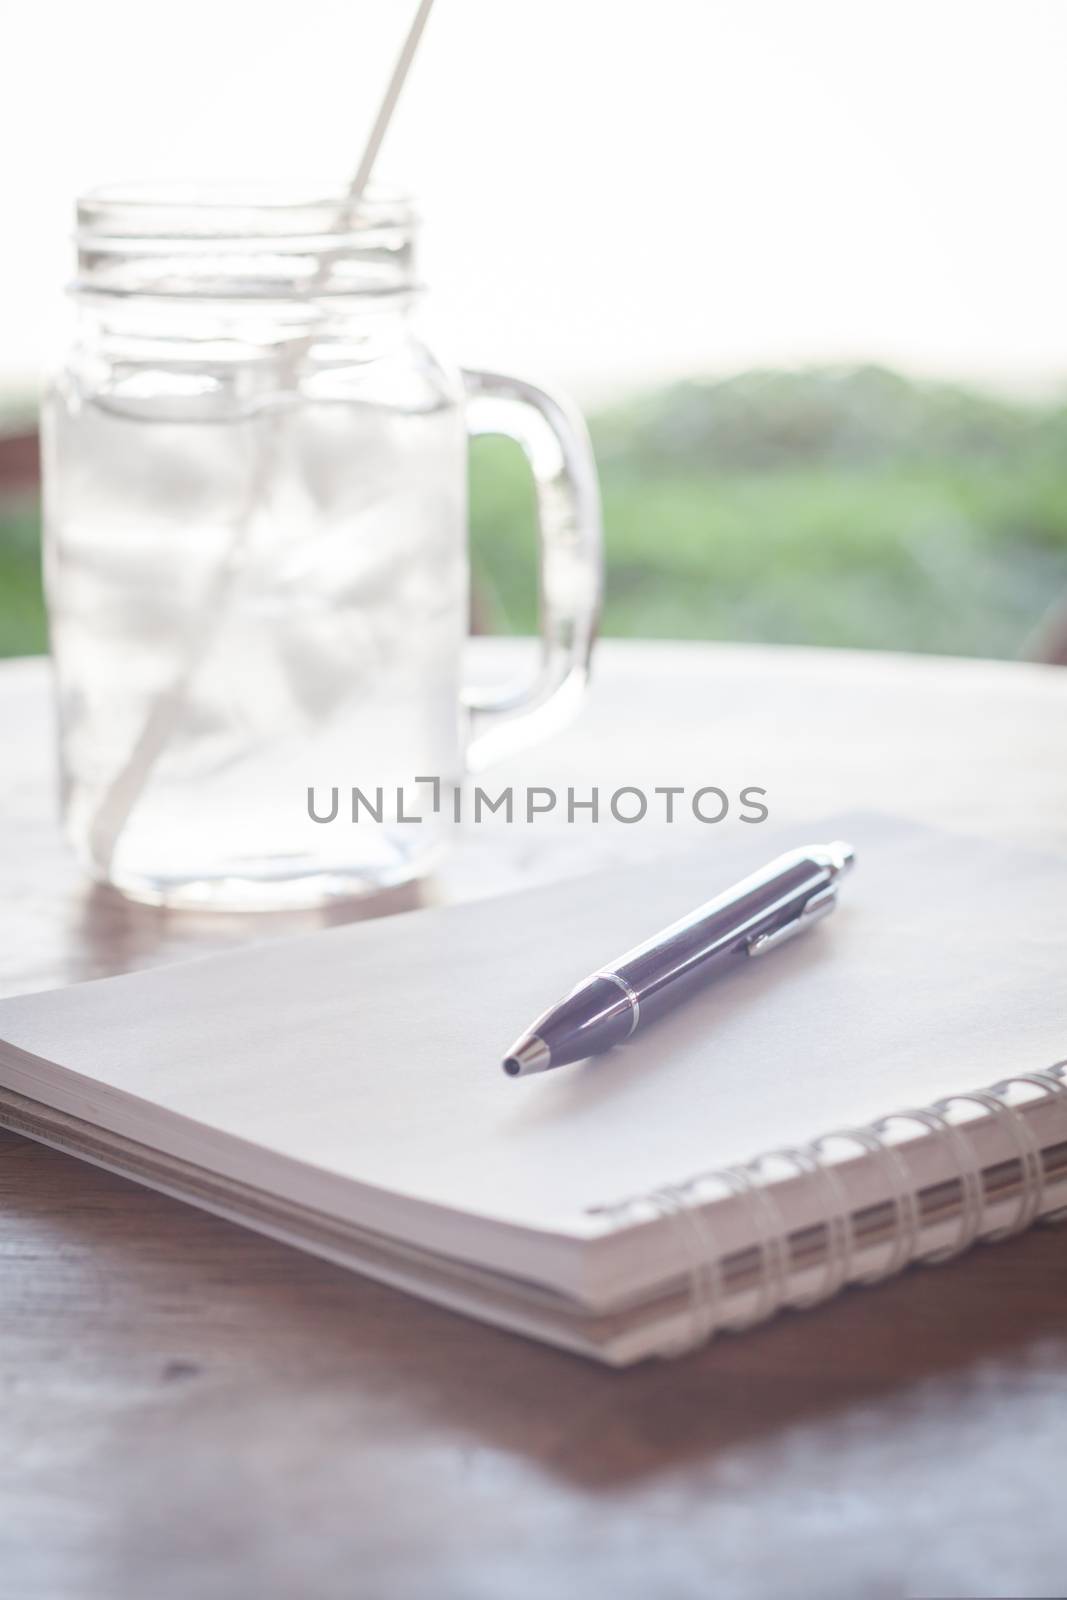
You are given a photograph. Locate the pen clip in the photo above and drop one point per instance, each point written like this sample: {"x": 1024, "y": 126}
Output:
{"x": 820, "y": 905}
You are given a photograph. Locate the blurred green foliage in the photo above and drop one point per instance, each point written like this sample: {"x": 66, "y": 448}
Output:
{"x": 846, "y": 507}
{"x": 850, "y": 507}
{"x": 22, "y": 627}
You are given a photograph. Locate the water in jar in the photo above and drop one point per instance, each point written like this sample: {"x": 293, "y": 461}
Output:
{"x": 254, "y": 590}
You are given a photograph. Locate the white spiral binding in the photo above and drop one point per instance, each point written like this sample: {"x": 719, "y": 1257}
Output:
{"x": 768, "y": 1243}
{"x": 906, "y": 1208}
{"x": 968, "y": 1172}
{"x": 684, "y": 1208}
{"x": 705, "y": 1267}
{"x": 805, "y": 1163}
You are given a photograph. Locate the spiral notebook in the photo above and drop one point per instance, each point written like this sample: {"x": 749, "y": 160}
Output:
{"x": 341, "y": 1091}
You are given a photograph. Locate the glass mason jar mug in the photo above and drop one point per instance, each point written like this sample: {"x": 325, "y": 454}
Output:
{"x": 256, "y": 550}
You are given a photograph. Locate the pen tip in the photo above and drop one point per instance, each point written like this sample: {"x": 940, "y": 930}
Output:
{"x": 530, "y": 1054}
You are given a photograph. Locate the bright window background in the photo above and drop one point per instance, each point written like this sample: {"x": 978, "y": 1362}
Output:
{"x": 617, "y": 190}
{"x": 622, "y": 193}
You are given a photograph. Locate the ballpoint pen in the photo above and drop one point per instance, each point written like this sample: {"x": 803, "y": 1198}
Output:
{"x": 748, "y": 920}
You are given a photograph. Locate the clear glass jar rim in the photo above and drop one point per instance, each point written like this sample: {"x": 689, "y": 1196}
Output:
{"x": 237, "y": 210}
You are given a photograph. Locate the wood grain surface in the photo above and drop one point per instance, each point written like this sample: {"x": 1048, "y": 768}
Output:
{"x": 192, "y": 1412}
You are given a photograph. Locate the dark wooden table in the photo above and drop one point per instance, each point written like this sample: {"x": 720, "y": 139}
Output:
{"x": 191, "y": 1412}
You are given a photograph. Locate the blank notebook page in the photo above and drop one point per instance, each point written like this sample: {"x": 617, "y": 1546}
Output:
{"x": 373, "y": 1051}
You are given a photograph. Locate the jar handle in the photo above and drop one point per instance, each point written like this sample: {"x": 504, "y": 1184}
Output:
{"x": 554, "y": 440}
